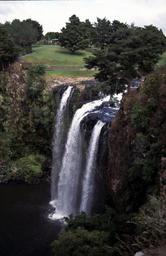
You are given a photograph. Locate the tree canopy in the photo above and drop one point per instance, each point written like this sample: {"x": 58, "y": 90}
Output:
{"x": 17, "y": 38}
{"x": 37, "y": 27}
{"x": 73, "y": 36}
{"x": 126, "y": 52}
{"x": 8, "y": 51}
{"x": 51, "y": 35}
{"x": 24, "y": 33}
{"x": 82, "y": 242}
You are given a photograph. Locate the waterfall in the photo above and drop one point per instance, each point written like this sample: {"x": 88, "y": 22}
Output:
{"x": 58, "y": 141}
{"x": 88, "y": 180}
{"x": 68, "y": 185}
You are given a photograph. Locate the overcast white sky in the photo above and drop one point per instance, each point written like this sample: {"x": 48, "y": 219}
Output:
{"x": 54, "y": 14}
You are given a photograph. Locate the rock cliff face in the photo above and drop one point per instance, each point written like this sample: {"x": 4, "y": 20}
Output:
{"x": 120, "y": 140}
{"x": 121, "y": 136}
{"x": 137, "y": 144}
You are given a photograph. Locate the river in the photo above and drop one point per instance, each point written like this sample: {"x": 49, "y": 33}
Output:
{"x": 25, "y": 229}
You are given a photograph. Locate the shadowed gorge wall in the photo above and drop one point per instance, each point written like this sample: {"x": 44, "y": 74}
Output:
{"x": 137, "y": 144}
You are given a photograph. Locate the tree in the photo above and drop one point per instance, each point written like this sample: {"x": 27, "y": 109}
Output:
{"x": 81, "y": 242}
{"x": 38, "y": 28}
{"x": 102, "y": 31}
{"x": 72, "y": 36}
{"x": 131, "y": 52}
{"x": 35, "y": 83}
{"x": 88, "y": 31}
{"x": 8, "y": 51}
{"x": 24, "y": 33}
{"x": 52, "y": 35}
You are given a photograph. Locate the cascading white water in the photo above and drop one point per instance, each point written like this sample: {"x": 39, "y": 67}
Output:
{"x": 88, "y": 180}
{"x": 68, "y": 185}
{"x": 58, "y": 141}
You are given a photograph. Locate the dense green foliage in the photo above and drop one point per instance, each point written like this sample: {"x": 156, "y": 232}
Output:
{"x": 80, "y": 242}
{"x": 8, "y": 51}
{"x": 26, "y": 169}
{"x": 105, "y": 32}
{"x": 37, "y": 28}
{"x": 51, "y": 35}
{"x": 17, "y": 38}
{"x": 24, "y": 33}
{"x": 151, "y": 222}
{"x": 148, "y": 118}
{"x": 126, "y": 52}
{"x": 74, "y": 36}
{"x": 27, "y": 114}
{"x": 93, "y": 235}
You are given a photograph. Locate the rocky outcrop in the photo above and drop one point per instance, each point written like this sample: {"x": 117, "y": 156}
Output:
{"x": 121, "y": 135}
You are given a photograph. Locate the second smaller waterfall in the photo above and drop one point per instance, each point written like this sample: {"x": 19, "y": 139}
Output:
{"x": 88, "y": 180}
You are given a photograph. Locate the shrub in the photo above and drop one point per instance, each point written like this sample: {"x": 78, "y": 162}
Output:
{"x": 139, "y": 118}
{"x": 35, "y": 82}
{"x": 151, "y": 223}
{"x": 81, "y": 242}
{"x": 28, "y": 168}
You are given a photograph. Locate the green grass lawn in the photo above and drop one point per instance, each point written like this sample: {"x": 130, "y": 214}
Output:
{"x": 59, "y": 61}
{"x": 70, "y": 73}
{"x": 162, "y": 61}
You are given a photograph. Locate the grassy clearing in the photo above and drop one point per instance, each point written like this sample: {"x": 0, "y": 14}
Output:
{"x": 58, "y": 61}
{"x": 54, "y": 55}
{"x": 70, "y": 73}
{"x": 162, "y": 61}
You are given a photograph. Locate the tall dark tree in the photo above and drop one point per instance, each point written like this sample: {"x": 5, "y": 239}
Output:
{"x": 8, "y": 51}
{"x": 88, "y": 31}
{"x": 52, "y": 35}
{"x": 72, "y": 36}
{"x": 152, "y": 44}
{"x": 102, "y": 32}
{"x": 132, "y": 52}
{"x": 38, "y": 28}
{"x": 24, "y": 33}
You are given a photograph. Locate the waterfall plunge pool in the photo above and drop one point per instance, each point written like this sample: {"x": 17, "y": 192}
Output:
{"x": 25, "y": 229}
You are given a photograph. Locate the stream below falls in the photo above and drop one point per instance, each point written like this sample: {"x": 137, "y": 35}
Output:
{"x": 25, "y": 229}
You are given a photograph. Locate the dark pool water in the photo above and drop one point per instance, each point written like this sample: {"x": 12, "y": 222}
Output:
{"x": 25, "y": 229}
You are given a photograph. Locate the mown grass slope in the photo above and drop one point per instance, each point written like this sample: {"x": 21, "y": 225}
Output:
{"x": 59, "y": 61}
{"x": 162, "y": 61}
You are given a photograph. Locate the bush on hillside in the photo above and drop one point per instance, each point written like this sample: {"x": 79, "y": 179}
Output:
{"x": 28, "y": 168}
{"x": 81, "y": 242}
